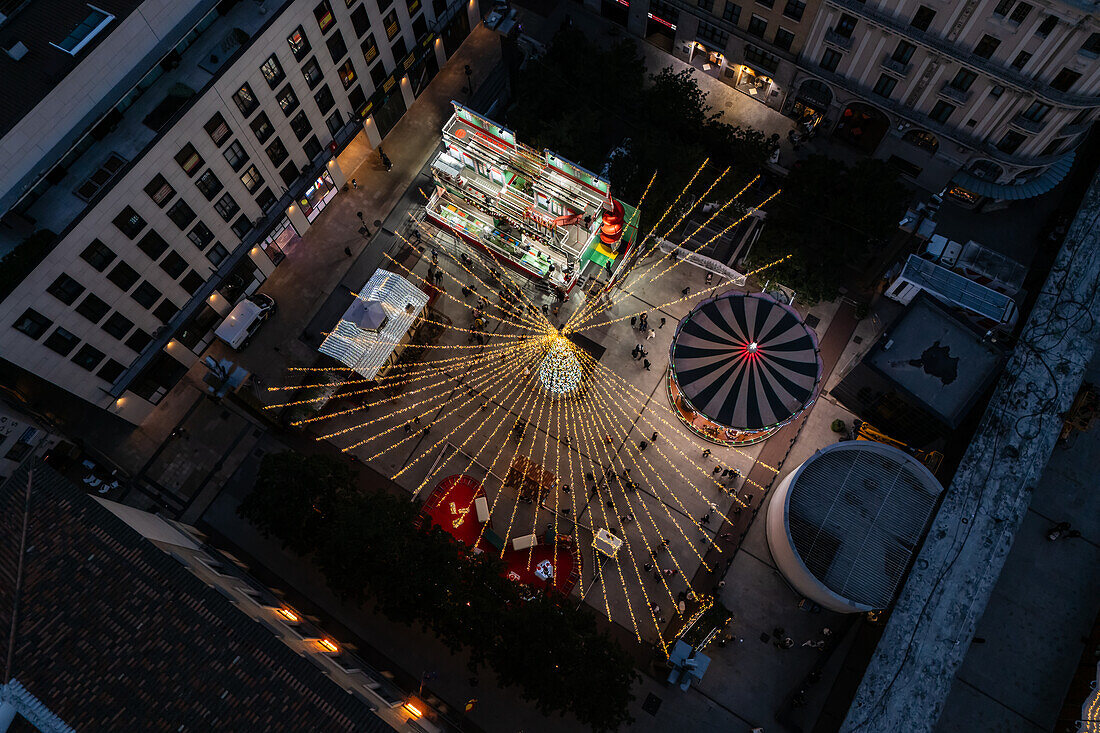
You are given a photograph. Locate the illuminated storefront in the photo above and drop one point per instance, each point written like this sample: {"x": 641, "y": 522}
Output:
{"x": 753, "y": 83}
{"x": 317, "y": 196}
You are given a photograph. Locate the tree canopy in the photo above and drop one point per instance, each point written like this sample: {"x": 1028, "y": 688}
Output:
{"x": 832, "y": 217}
{"x": 375, "y": 547}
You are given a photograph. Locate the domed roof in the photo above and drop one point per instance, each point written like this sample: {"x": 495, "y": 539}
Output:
{"x": 746, "y": 361}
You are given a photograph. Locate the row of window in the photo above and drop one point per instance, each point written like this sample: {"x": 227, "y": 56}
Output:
{"x": 793, "y": 9}
{"x": 985, "y": 47}
{"x": 64, "y": 342}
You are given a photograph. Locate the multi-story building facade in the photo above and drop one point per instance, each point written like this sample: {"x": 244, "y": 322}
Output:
{"x": 986, "y": 98}
{"x": 753, "y": 47}
{"x": 175, "y": 147}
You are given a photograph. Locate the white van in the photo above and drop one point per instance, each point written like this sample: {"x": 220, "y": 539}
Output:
{"x": 245, "y": 319}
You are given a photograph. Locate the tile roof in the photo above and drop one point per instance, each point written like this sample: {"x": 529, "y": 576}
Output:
{"x": 114, "y": 634}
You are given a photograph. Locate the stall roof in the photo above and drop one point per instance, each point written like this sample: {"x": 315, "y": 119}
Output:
{"x": 375, "y": 323}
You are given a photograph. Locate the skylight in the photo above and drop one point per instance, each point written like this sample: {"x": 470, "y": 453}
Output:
{"x": 80, "y": 36}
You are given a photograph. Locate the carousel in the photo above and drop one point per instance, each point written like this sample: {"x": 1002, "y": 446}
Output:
{"x": 741, "y": 366}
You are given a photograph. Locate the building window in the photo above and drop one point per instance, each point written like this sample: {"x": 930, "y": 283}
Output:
{"x": 123, "y": 276}
{"x": 922, "y": 19}
{"x": 173, "y": 264}
{"x": 378, "y": 75}
{"x": 200, "y": 235}
{"x": 192, "y": 282}
{"x": 420, "y": 28}
{"x": 88, "y": 357}
{"x": 235, "y": 155}
{"x": 323, "y": 14}
{"x": 390, "y": 24}
{"x": 397, "y": 50}
{"x": 357, "y": 99}
{"x": 93, "y": 308}
{"x": 300, "y": 125}
{"x": 845, "y": 26}
{"x": 153, "y": 245}
{"x": 1065, "y": 79}
{"x": 118, "y": 325}
{"x": 904, "y": 52}
{"x": 32, "y": 323}
{"x": 312, "y": 148}
{"x": 276, "y": 151}
{"x": 111, "y": 371}
{"x": 266, "y": 200}
{"x": 335, "y": 122}
{"x": 766, "y": 3}
{"x": 145, "y": 294}
{"x": 138, "y": 340}
{"x": 707, "y": 5}
{"x": 713, "y": 34}
{"x": 757, "y": 25}
{"x": 299, "y": 44}
{"x": 1003, "y": 7}
{"x": 98, "y": 255}
{"x": 129, "y": 222}
{"x": 337, "y": 49}
{"x": 414, "y": 5}
{"x": 1021, "y": 60}
{"x": 986, "y": 47}
{"x": 159, "y": 190}
{"x": 1037, "y": 112}
{"x": 242, "y": 226}
{"x": 1020, "y": 13}
{"x": 347, "y": 74}
{"x": 261, "y": 126}
{"x": 189, "y": 159}
{"x": 1091, "y": 46}
{"x": 783, "y": 39}
{"x": 208, "y": 184}
{"x": 794, "y": 9}
{"x": 830, "y": 59}
{"x": 1054, "y": 146}
{"x": 996, "y": 90}
{"x": 360, "y": 23}
{"x": 165, "y": 311}
{"x": 226, "y": 207}
{"x": 288, "y": 101}
{"x": 217, "y": 254}
{"x": 941, "y": 112}
{"x": 181, "y": 214}
{"x": 252, "y": 179}
{"x": 1011, "y": 142}
{"x": 324, "y": 99}
{"x": 1046, "y": 26}
{"x": 731, "y": 12}
{"x": 289, "y": 174}
{"x": 272, "y": 72}
{"x": 369, "y": 47}
{"x": 217, "y": 129}
{"x": 65, "y": 289}
{"x": 246, "y": 100}
{"x": 62, "y": 341}
{"x": 312, "y": 72}
{"x": 963, "y": 79}
{"x": 761, "y": 58}
{"x": 884, "y": 87}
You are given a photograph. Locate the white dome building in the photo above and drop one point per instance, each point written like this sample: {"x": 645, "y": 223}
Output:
{"x": 844, "y": 525}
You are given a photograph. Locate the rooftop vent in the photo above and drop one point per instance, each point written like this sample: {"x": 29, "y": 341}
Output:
{"x": 17, "y": 51}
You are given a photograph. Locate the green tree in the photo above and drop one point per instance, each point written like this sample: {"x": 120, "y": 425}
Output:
{"x": 832, "y": 218}
{"x": 294, "y": 495}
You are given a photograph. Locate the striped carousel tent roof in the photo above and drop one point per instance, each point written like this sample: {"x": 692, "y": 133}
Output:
{"x": 746, "y": 361}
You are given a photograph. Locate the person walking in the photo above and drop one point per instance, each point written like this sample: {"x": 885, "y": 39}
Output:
{"x": 686, "y": 290}
{"x": 636, "y": 352}
{"x": 633, "y": 321}
{"x": 706, "y": 453}
{"x": 651, "y": 334}
{"x": 347, "y": 251}
{"x": 646, "y": 364}
{"x": 653, "y": 438}
{"x": 354, "y": 184}
{"x": 662, "y": 323}
{"x": 643, "y": 445}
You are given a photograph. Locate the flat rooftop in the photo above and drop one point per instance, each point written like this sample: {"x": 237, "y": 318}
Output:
{"x": 937, "y": 358}
{"x": 38, "y": 24}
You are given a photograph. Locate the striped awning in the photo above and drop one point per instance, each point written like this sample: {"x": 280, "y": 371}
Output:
{"x": 746, "y": 361}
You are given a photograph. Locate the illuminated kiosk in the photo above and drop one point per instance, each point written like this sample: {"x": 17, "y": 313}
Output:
{"x": 536, "y": 212}
{"x": 741, "y": 366}
{"x": 844, "y": 526}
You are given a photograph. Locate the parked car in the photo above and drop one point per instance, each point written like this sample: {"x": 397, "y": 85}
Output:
{"x": 245, "y": 319}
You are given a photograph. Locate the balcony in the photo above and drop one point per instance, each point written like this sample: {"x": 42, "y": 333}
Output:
{"x": 954, "y": 93}
{"x": 893, "y": 65}
{"x": 834, "y": 38}
{"x": 1026, "y": 124}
